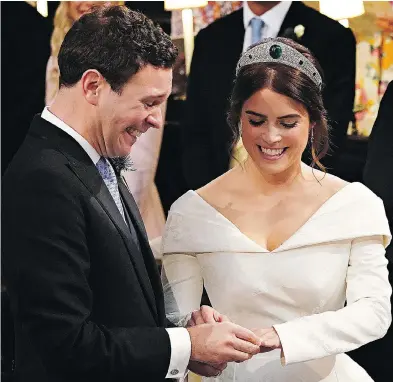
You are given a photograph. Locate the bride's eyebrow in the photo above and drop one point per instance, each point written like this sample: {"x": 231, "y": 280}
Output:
{"x": 289, "y": 116}
{"x": 250, "y": 112}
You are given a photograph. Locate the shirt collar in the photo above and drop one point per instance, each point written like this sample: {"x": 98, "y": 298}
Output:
{"x": 273, "y": 18}
{"x": 90, "y": 150}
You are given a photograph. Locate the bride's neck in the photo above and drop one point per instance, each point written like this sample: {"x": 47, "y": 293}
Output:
{"x": 270, "y": 183}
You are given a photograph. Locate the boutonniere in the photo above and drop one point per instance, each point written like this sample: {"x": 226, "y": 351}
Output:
{"x": 299, "y": 31}
{"x": 295, "y": 33}
{"x": 122, "y": 164}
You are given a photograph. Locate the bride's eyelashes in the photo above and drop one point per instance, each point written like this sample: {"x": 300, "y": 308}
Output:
{"x": 256, "y": 123}
{"x": 284, "y": 124}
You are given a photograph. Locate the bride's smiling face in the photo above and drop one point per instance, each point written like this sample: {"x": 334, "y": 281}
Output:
{"x": 275, "y": 130}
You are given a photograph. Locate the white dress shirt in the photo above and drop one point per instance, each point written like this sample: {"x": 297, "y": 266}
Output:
{"x": 272, "y": 19}
{"x": 90, "y": 150}
{"x": 179, "y": 337}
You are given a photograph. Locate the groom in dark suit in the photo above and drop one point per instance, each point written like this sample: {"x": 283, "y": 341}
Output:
{"x": 207, "y": 136}
{"x": 85, "y": 293}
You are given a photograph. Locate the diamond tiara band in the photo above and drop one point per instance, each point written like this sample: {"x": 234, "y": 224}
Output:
{"x": 274, "y": 51}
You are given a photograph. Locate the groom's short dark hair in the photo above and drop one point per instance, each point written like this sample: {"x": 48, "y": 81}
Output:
{"x": 117, "y": 42}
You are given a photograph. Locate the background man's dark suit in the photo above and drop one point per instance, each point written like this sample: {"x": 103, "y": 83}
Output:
{"x": 207, "y": 137}
{"x": 62, "y": 332}
{"x": 378, "y": 172}
{"x": 25, "y": 56}
{"x": 378, "y": 176}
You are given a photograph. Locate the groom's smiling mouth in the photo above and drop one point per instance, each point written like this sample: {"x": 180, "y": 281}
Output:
{"x": 134, "y": 132}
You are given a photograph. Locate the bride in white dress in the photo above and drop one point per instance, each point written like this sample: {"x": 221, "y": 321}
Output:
{"x": 291, "y": 252}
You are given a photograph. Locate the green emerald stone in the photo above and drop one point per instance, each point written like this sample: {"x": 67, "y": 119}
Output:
{"x": 275, "y": 51}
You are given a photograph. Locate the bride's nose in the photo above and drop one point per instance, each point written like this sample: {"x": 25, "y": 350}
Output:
{"x": 271, "y": 135}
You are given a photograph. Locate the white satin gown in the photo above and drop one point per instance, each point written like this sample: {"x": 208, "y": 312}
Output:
{"x": 325, "y": 290}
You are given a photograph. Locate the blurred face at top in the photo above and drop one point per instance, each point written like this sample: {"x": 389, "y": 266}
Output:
{"x": 122, "y": 117}
{"x": 275, "y": 131}
{"x": 76, "y": 9}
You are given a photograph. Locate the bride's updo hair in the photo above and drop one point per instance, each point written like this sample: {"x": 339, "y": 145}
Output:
{"x": 290, "y": 82}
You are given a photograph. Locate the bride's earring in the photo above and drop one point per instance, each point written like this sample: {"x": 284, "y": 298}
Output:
{"x": 312, "y": 136}
{"x": 240, "y": 128}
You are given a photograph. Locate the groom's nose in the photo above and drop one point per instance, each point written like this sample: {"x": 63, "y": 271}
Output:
{"x": 154, "y": 119}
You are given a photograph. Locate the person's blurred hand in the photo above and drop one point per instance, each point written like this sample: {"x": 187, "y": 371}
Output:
{"x": 206, "y": 315}
{"x": 206, "y": 370}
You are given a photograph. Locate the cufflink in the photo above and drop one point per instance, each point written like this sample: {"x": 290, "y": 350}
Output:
{"x": 174, "y": 372}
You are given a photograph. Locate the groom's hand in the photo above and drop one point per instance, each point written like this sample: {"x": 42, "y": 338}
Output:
{"x": 206, "y": 370}
{"x": 206, "y": 315}
{"x": 221, "y": 343}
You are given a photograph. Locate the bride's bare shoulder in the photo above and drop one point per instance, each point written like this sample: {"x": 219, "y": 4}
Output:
{"x": 217, "y": 191}
{"x": 330, "y": 182}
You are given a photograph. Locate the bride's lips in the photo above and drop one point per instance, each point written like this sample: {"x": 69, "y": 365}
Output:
{"x": 272, "y": 154}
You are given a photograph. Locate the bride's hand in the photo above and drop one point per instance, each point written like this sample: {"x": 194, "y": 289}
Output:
{"x": 269, "y": 339}
{"x": 206, "y": 315}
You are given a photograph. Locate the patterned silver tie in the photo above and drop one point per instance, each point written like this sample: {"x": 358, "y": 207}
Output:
{"x": 109, "y": 177}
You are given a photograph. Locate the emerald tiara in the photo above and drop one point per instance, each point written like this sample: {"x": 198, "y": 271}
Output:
{"x": 270, "y": 50}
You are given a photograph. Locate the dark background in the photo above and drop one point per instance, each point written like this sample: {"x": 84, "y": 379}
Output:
{"x": 25, "y": 48}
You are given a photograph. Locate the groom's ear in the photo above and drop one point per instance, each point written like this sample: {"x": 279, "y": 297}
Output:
{"x": 92, "y": 84}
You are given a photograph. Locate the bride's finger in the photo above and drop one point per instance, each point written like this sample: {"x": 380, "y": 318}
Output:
{"x": 270, "y": 342}
{"x": 197, "y": 317}
{"x": 264, "y": 349}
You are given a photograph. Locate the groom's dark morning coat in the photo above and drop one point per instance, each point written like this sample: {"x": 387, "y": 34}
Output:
{"x": 85, "y": 291}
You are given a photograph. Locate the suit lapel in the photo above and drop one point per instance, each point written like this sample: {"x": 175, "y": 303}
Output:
{"x": 234, "y": 42}
{"x": 81, "y": 164}
{"x": 90, "y": 177}
{"x": 149, "y": 259}
{"x": 132, "y": 206}
{"x": 291, "y": 19}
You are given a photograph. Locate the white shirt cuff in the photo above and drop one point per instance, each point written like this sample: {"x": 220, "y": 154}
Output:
{"x": 180, "y": 352}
